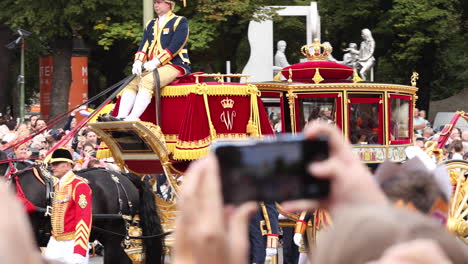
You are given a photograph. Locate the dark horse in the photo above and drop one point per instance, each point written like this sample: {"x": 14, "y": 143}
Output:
{"x": 114, "y": 194}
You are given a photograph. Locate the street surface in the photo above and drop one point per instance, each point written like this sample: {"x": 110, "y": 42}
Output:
{"x": 96, "y": 260}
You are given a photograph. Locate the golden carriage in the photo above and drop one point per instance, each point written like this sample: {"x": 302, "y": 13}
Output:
{"x": 376, "y": 118}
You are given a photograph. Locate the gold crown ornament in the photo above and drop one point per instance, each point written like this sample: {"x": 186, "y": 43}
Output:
{"x": 317, "y": 51}
{"x": 227, "y": 103}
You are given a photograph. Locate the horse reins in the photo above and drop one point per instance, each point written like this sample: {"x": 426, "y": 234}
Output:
{"x": 117, "y": 184}
{"x": 58, "y": 118}
{"x": 131, "y": 237}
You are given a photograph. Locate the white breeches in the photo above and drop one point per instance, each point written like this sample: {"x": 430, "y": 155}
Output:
{"x": 61, "y": 251}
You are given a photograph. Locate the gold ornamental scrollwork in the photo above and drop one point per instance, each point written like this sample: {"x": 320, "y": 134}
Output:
{"x": 414, "y": 79}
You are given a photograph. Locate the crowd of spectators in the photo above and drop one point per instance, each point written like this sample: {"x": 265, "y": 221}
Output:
{"x": 361, "y": 204}
{"x": 456, "y": 147}
{"x": 367, "y": 227}
{"x": 361, "y": 208}
{"x": 31, "y": 140}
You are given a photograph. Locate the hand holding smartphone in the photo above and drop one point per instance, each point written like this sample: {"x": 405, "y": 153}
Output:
{"x": 271, "y": 169}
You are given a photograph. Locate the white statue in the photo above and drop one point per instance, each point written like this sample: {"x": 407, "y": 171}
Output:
{"x": 330, "y": 56}
{"x": 280, "y": 57}
{"x": 366, "y": 53}
{"x": 351, "y": 57}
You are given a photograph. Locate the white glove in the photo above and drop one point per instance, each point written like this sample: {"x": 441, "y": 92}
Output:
{"x": 78, "y": 259}
{"x": 151, "y": 65}
{"x": 270, "y": 252}
{"x": 298, "y": 239}
{"x": 137, "y": 67}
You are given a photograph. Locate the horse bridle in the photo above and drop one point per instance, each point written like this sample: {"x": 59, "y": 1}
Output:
{"x": 50, "y": 189}
{"x": 10, "y": 170}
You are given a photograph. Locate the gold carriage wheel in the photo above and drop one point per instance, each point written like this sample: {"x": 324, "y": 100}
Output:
{"x": 458, "y": 210}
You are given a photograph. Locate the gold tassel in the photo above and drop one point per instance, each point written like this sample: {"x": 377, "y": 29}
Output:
{"x": 212, "y": 131}
{"x": 252, "y": 129}
{"x": 103, "y": 152}
{"x": 317, "y": 77}
{"x": 277, "y": 77}
{"x": 356, "y": 77}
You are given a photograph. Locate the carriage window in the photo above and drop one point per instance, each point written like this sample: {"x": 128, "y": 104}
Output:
{"x": 400, "y": 116}
{"x": 320, "y": 108}
{"x": 364, "y": 124}
{"x": 273, "y": 109}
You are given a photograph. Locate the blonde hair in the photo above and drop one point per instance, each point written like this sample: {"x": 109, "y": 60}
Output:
{"x": 362, "y": 233}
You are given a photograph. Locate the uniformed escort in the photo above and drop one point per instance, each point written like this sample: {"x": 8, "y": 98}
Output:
{"x": 164, "y": 47}
{"x": 299, "y": 234}
{"x": 263, "y": 233}
{"x": 71, "y": 213}
{"x": 304, "y": 235}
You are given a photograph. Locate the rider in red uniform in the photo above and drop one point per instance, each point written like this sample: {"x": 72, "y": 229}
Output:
{"x": 71, "y": 213}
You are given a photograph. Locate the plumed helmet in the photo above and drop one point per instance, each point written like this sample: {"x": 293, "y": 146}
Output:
{"x": 61, "y": 155}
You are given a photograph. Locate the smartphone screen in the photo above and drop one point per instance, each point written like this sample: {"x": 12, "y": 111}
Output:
{"x": 271, "y": 170}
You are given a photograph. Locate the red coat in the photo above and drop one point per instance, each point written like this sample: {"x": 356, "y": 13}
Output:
{"x": 72, "y": 212}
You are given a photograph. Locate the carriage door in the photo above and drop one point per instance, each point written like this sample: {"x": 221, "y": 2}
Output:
{"x": 365, "y": 119}
{"x": 274, "y": 105}
{"x": 325, "y": 107}
{"x": 400, "y": 117}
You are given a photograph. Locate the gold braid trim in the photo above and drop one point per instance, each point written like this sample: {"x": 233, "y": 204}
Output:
{"x": 208, "y": 89}
{"x": 38, "y": 177}
{"x": 192, "y": 150}
{"x": 320, "y": 68}
{"x": 82, "y": 233}
{"x": 171, "y": 147}
{"x": 65, "y": 237}
{"x": 190, "y": 154}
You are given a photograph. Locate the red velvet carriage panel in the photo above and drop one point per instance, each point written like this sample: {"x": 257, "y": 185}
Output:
{"x": 195, "y": 114}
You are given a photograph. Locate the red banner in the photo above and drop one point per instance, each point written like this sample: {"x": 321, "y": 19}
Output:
{"x": 45, "y": 77}
{"x": 78, "y": 87}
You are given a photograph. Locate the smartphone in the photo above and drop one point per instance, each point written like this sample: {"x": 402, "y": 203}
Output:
{"x": 271, "y": 169}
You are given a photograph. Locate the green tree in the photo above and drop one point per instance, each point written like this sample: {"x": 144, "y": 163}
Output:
{"x": 420, "y": 35}
{"x": 55, "y": 24}
{"x": 426, "y": 37}
{"x": 215, "y": 30}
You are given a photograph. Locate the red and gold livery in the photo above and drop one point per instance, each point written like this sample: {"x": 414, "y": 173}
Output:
{"x": 72, "y": 212}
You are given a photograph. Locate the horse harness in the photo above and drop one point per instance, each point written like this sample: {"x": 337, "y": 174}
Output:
{"x": 11, "y": 170}
{"x": 49, "y": 183}
{"x": 117, "y": 183}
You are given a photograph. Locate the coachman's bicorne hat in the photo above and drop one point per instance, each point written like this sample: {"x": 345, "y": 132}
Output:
{"x": 177, "y": 1}
{"x": 61, "y": 155}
